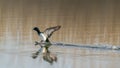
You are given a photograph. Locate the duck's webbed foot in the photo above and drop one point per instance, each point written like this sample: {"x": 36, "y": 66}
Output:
{"x": 36, "y": 43}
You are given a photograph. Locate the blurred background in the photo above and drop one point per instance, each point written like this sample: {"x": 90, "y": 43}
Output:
{"x": 82, "y": 21}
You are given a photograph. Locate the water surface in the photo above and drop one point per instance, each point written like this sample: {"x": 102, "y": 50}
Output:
{"x": 68, "y": 57}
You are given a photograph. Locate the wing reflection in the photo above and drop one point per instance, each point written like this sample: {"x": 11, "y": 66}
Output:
{"x": 49, "y": 57}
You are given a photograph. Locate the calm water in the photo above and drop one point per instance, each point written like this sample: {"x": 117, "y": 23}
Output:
{"x": 68, "y": 57}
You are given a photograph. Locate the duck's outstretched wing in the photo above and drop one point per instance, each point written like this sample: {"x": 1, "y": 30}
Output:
{"x": 51, "y": 30}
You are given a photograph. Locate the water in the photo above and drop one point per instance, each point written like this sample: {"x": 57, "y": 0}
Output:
{"x": 67, "y": 57}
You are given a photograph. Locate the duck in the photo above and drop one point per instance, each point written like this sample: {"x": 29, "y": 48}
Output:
{"x": 44, "y": 36}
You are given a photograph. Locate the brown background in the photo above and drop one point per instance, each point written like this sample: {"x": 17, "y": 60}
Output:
{"x": 82, "y": 21}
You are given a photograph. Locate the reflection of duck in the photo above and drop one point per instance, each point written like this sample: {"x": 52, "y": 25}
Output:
{"x": 47, "y": 55}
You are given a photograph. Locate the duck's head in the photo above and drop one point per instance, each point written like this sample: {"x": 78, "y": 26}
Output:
{"x": 37, "y": 29}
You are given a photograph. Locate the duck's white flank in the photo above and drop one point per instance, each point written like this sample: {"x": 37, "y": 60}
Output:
{"x": 43, "y": 36}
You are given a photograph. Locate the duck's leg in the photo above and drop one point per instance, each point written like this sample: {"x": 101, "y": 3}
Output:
{"x": 39, "y": 43}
